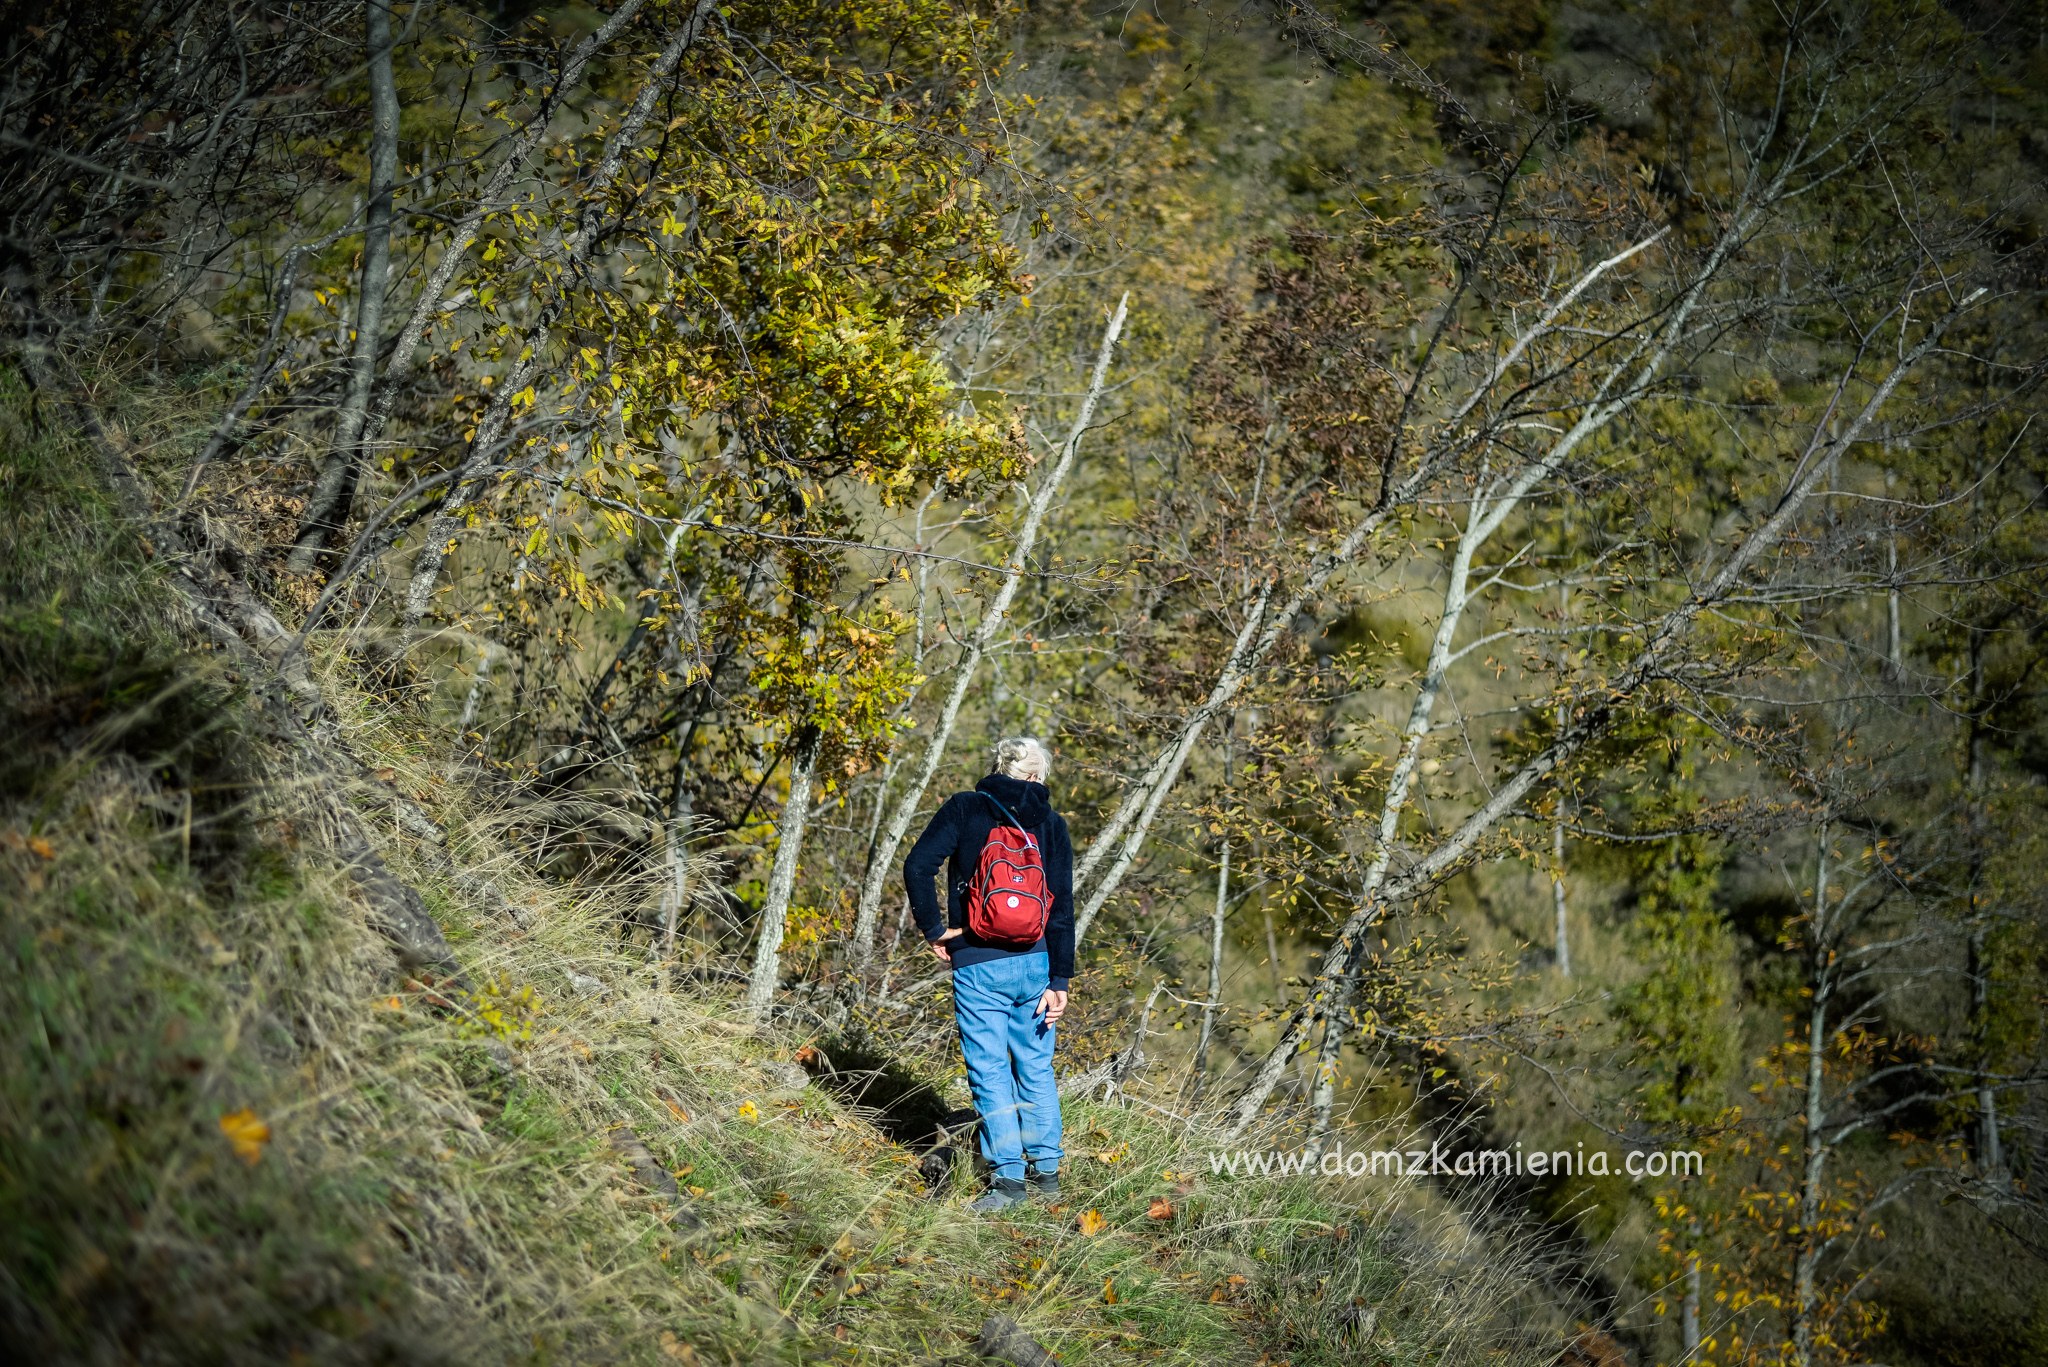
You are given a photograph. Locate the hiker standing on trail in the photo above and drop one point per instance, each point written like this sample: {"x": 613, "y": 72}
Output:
{"x": 1008, "y": 931}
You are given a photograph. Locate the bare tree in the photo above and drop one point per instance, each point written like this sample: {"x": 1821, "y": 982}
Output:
{"x": 882, "y": 858}
{"x": 334, "y": 488}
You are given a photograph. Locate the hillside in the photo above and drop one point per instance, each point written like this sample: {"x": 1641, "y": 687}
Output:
{"x": 1512, "y": 533}
{"x": 240, "y": 1128}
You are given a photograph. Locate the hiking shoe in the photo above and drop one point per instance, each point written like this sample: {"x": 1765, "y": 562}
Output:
{"x": 1045, "y": 1185}
{"x": 1001, "y": 1195}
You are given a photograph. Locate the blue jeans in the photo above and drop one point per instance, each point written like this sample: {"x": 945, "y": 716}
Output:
{"x": 1008, "y": 1047}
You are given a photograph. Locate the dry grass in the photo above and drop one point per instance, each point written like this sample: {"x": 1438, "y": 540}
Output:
{"x": 181, "y": 952}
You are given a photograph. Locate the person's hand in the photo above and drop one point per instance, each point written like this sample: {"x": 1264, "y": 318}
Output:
{"x": 938, "y": 946}
{"x": 1052, "y": 1005}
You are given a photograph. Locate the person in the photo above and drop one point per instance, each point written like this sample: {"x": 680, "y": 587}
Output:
{"x": 1008, "y": 993}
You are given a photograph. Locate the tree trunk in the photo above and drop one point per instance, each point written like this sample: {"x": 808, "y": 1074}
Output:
{"x": 882, "y": 861}
{"x": 327, "y": 508}
{"x": 1126, "y": 830}
{"x": 1215, "y": 996}
{"x": 1990, "y": 1144}
{"x": 473, "y": 477}
{"x": 1806, "y": 1261}
{"x": 1323, "y": 1092}
{"x": 1894, "y": 644}
{"x": 1563, "y": 937}
{"x": 488, "y": 202}
{"x": 675, "y": 893}
{"x": 472, "y": 702}
{"x": 789, "y": 840}
{"x": 1689, "y": 1307}
{"x": 1653, "y": 661}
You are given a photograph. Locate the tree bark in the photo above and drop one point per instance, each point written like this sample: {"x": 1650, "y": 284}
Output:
{"x": 1894, "y": 641}
{"x": 488, "y": 201}
{"x": 1214, "y": 999}
{"x": 327, "y": 508}
{"x": 1563, "y": 935}
{"x": 1652, "y": 662}
{"x": 882, "y": 861}
{"x": 1129, "y": 825}
{"x": 1806, "y": 1261}
{"x": 1990, "y": 1143}
{"x": 789, "y": 840}
{"x": 676, "y": 894}
{"x": 1323, "y": 1090}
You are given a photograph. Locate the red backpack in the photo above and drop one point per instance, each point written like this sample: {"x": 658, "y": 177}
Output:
{"x": 1007, "y": 900}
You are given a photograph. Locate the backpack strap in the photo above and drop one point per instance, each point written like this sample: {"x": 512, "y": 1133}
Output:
{"x": 1008, "y": 813}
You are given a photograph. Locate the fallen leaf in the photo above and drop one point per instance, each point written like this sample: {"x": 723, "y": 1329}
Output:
{"x": 42, "y": 847}
{"x": 385, "y": 775}
{"x": 1161, "y": 1209}
{"x": 1115, "y": 1155}
{"x": 1109, "y": 1291}
{"x": 678, "y": 1112}
{"x": 749, "y": 1111}
{"x": 1092, "y": 1223}
{"x": 671, "y": 1346}
{"x": 246, "y": 1133}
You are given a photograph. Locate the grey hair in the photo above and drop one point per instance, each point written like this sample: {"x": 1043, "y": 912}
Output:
{"x": 1024, "y": 757}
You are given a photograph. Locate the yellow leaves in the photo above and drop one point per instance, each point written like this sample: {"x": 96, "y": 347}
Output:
{"x": 34, "y": 844}
{"x": 1091, "y": 1223}
{"x": 504, "y": 1011}
{"x": 1109, "y": 1291}
{"x": 682, "y": 1116}
{"x": 1115, "y": 1155}
{"x": 750, "y": 1113}
{"x": 1160, "y": 1209}
{"x": 246, "y": 1134}
{"x": 673, "y": 1347}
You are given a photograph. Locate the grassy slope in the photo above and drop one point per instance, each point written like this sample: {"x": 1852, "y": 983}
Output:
{"x": 179, "y": 951}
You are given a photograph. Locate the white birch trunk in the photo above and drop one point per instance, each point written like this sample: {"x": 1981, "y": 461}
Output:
{"x": 883, "y": 859}
{"x": 1660, "y": 646}
{"x": 1806, "y": 1263}
{"x": 1130, "y": 824}
{"x": 789, "y": 840}
{"x": 1214, "y": 998}
{"x": 675, "y": 894}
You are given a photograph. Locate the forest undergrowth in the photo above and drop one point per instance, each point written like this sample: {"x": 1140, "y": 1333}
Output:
{"x": 238, "y": 1130}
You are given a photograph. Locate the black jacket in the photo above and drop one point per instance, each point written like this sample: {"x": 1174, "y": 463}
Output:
{"x": 955, "y": 836}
